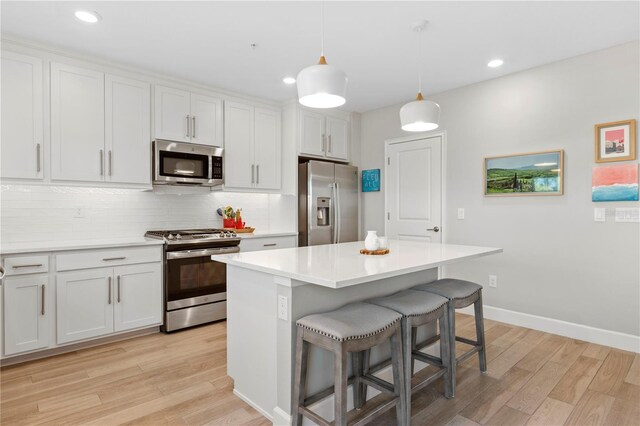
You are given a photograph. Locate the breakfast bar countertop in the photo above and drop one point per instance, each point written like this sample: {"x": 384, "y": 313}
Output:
{"x": 342, "y": 265}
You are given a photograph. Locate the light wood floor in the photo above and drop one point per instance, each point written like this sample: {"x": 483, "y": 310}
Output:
{"x": 534, "y": 378}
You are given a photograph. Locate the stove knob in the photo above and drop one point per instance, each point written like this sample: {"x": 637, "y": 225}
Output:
{"x": 178, "y": 237}
{"x": 233, "y": 234}
{"x": 170, "y": 237}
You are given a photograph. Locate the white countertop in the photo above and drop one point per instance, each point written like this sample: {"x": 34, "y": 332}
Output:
{"x": 342, "y": 265}
{"x": 45, "y": 246}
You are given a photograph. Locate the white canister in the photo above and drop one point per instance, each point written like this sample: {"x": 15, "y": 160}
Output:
{"x": 371, "y": 242}
{"x": 383, "y": 243}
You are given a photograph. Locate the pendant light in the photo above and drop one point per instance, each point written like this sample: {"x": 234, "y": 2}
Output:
{"x": 420, "y": 115}
{"x": 322, "y": 85}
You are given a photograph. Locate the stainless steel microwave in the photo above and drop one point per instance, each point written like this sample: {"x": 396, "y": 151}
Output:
{"x": 181, "y": 163}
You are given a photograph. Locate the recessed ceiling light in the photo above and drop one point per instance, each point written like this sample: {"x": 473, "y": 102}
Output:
{"x": 288, "y": 80}
{"x": 495, "y": 63}
{"x": 90, "y": 17}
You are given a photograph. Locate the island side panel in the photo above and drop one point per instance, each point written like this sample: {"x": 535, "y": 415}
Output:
{"x": 305, "y": 299}
{"x": 251, "y": 337}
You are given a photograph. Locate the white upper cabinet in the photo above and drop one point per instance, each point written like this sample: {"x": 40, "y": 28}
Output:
{"x": 267, "y": 148}
{"x": 22, "y": 116}
{"x": 253, "y": 147}
{"x": 323, "y": 135}
{"x": 127, "y": 130}
{"x": 77, "y": 124}
{"x": 187, "y": 117}
{"x": 206, "y": 120}
{"x": 238, "y": 153}
{"x": 337, "y": 138}
{"x": 312, "y": 133}
{"x": 172, "y": 110}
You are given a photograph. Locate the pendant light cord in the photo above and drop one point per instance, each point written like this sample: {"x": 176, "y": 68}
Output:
{"x": 420, "y": 60}
{"x": 321, "y": 28}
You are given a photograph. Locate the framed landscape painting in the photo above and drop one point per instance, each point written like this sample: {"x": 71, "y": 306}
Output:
{"x": 537, "y": 173}
{"x": 615, "y": 141}
{"x": 615, "y": 183}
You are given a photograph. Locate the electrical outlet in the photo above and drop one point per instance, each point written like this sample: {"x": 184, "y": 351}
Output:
{"x": 460, "y": 213}
{"x": 599, "y": 214}
{"x": 493, "y": 281}
{"x": 283, "y": 307}
{"x": 78, "y": 212}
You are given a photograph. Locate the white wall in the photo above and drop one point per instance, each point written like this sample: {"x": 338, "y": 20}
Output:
{"x": 45, "y": 213}
{"x": 557, "y": 262}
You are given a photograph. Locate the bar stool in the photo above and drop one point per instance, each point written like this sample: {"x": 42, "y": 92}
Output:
{"x": 353, "y": 328}
{"x": 419, "y": 308}
{"x": 461, "y": 294}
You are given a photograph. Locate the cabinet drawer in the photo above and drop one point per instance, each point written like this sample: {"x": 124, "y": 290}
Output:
{"x": 26, "y": 264}
{"x": 103, "y": 258}
{"x": 267, "y": 243}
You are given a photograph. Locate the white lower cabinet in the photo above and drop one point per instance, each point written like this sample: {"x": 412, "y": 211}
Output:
{"x": 26, "y": 313}
{"x": 138, "y": 297}
{"x": 84, "y": 304}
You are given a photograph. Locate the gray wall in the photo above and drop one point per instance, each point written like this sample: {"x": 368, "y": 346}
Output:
{"x": 557, "y": 261}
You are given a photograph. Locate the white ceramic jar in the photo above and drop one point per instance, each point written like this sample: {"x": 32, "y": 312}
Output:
{"x": 371, "y": 242}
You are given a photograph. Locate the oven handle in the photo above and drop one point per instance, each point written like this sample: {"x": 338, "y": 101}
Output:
{"x": 201, "y": 253}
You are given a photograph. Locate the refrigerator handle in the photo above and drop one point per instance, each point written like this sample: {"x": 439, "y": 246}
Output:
{"x": 336, "y": 214}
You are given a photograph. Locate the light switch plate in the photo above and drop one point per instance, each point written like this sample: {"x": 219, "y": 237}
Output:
{"x": 460, "y": 213}
{"x": 627, "y": 214}
{"x": 283, "y": 307}
{"x": 599, "y": 214}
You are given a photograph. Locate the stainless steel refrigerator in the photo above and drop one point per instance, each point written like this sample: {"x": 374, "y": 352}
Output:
{"x": 327, "y": 203}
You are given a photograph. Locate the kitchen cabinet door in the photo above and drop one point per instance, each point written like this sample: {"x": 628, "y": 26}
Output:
{"x": 26, "y": 313}
{"x": 337, "y": 138}
{"x": 84, "y": 304}
{"x": 312, "y": 133}
{"x": 22, "y": 116}
{"x": 238, "y": 145}
{"x": 172, "y": 114}
{"x": 127, "y": 130}
{"x": 77, "y": 124}
{"x": 206, "y": 120}
{"x": 268, "y": 148}
{"x": 137, "y": 296}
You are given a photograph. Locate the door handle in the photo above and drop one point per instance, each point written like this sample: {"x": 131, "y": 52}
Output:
{"x": 107, "y": 259}
{"x": 193, "y": 129}
{"x": 101, "y": 163}
{"x": 330, "y": 144}
{"x": 110, "y": 163}
{"x": 42, "y": 311}
{"x": 270, "y": 245}
{"x": 257, "y": 174}
{"x": 188, "y": 126}
{"x": 323, "y": 142}
{"x": 34, "y": 265}
{"x": 118, "y": 278}
{"x": 109, "y": 290}
{"x": 434, "y": 229}
{"x": 38, "y": 166}
{"x": 252, "y": 173}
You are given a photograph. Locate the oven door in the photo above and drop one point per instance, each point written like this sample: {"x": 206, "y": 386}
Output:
{"x": 194, "y": 279}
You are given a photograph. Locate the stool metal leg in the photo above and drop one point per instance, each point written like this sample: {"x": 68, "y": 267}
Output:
{"x": 451, "y": 316}
{"x": 340, "y": 389}
{"x": 479, "y": 319}
{"x": 300, "y": 380}
{"x": 399, "y": 384}
{"x": 445, "y": 354}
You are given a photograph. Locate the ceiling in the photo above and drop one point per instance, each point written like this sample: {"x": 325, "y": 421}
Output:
{"x": 373, "y": 42}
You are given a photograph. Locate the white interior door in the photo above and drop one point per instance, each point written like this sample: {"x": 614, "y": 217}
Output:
{"x": 414, "y": 190}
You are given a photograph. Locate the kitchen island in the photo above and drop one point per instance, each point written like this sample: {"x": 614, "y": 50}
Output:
{"x": 267, "y": 291}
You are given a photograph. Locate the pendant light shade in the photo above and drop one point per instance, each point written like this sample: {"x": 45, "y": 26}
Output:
{"x": 322, "y": 86}
{"x": 420, "y": 115}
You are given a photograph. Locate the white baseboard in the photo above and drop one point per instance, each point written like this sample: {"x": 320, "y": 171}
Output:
{"x": 253, "y": 404}
{"x": 627, "y": 342}
{"x": 280, "y": 417}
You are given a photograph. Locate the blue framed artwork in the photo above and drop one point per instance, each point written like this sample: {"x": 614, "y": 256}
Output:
{"x": 371, "y": 180}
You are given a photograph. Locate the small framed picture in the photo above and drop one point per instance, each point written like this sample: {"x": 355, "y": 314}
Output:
{"x": 615, "y": 141}
{"x": 371, "y": 180}
{"x": 535, "y": 173}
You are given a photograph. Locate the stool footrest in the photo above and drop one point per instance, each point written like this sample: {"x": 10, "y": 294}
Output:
{"x": 430, "y": 341}
{"x": 377, "y": 383}
{"x": 312, "y": 399}
{"x": 467, "y": 341}
{"x": 429, "y": 359}
{"x": 467, "y": 354}
{"x": 313, "y": 416}
{"x": 426, "y": 382}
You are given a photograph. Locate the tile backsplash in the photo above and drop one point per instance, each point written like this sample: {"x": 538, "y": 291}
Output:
{"x": 34, "y": 213}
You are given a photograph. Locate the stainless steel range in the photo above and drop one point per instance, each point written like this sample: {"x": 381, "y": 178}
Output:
{"x": 195, "y": 287}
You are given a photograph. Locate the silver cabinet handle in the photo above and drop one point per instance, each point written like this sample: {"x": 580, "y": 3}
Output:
{"x": 101, "y": 163}
{"x": 118, "y": 278}
{"x": 193, "y": 130}
{"x": 43, "y": 295}
{"x": 329, "y": 137}
{"x": 188, "y": 125}
{"x": 34, "y": 265}
{"x": 110, "y": 163}
{"x": 109, "y": 290}
{"x": 269, "y": 245}
{"x": 252, "y": 172}
{"x": 107, "y": 259}
{"x": 258, "y": 174}
{"x": 323, "y": 143}
{"x": 434, "y": 229}
{"x": 38, "y": 166}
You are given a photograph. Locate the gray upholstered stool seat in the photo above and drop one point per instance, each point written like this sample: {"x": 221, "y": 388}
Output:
{"x": 418, "y": 308}
{"x": 352, "y": 329}
{"x": 461, "y": 294}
